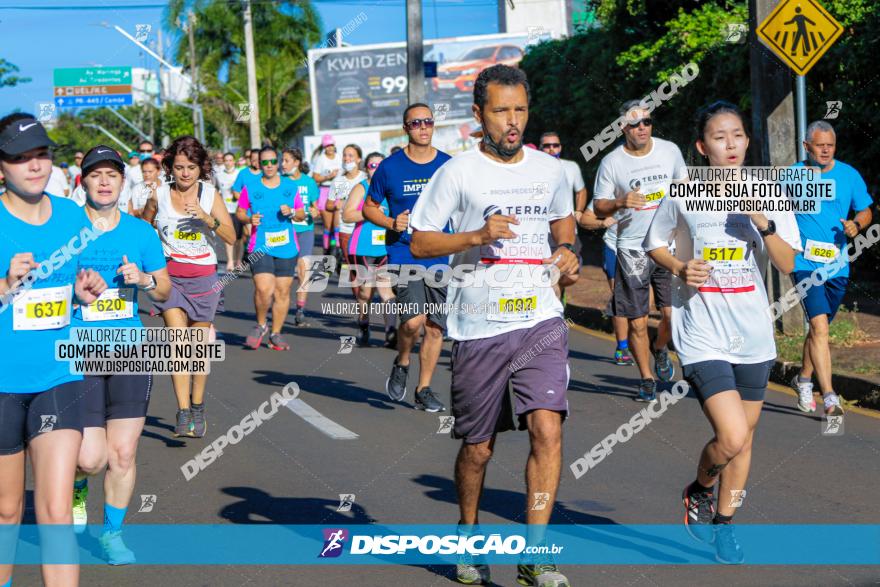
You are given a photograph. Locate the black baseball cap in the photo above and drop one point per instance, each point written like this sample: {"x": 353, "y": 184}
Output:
{"x": 22, "y": 135}
{"x": 102, "y": 154}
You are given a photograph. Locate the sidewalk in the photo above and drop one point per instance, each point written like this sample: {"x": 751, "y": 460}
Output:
{"x": 856, "y": 359}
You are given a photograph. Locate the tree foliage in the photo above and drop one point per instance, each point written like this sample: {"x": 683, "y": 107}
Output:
{"x": 7, "y": 75}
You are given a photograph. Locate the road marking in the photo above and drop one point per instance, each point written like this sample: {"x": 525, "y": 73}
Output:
{"x": 320, "y": 421}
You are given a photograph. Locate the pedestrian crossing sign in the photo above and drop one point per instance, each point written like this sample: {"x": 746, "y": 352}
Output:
{"x": 799, "y": 32}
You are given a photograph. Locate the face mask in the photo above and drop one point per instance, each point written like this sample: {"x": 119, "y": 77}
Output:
{"x": 348, "y": 167}
{"x": 496, "y": 148}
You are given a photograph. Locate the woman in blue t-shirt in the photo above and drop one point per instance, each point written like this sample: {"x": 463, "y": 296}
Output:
{"x": 297, "y": 170}
{"x": 129, "y": 256}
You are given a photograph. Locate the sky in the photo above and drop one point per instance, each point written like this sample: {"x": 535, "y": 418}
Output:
{"x": 73, "y": 35}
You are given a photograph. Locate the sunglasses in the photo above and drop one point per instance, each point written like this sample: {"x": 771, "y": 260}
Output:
{"x": 145, "y": 151}
{"x": 419, "y": 123}
{"x": 551, "y": 145}
{"x": 646, "y": 121}
{"x": 265, "y": 162}
{"x": 372, "y": 165}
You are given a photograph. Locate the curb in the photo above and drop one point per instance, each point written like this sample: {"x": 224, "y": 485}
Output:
{"x": 865, "y": 393}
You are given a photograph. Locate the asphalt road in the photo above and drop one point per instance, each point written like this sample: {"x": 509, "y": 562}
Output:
{"x": 400, "y": 470}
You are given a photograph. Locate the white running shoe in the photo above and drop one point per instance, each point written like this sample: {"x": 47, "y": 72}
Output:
{"x": 806, "y": 401}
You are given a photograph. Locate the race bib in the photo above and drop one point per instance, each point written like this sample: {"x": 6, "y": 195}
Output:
{"x": 653, "y": 199}
{"x": 731, "y": 270}
{"x": 378, "y": 237}
{"x": 42, "y": 309}
{"x": 278, "y": 238}
{"x": 820, "y": 252}
{"x": 506, "y": 305}
{"x": 182, "y": 235}
{"x": 114, "y": 304}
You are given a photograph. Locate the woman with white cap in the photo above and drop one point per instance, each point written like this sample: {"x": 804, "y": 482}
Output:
{"x": 327, "y": 165}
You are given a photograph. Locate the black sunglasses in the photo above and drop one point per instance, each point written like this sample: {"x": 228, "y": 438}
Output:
{"x": 551, "y": 145}
{"x": 647, "y": 122}
{"x": 419, "y": 123}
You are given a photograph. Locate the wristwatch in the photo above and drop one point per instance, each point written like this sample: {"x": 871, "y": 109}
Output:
{"x": 216, "y": 224}
{"x": 771, "y": 229}
{"x": 151, "y": 286}
{"x": 566, "y": 246}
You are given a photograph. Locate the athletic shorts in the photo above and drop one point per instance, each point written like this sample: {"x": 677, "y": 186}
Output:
{"x": 609, "y": 261}
{"x": 306, "y": 241}
{"x": 24, "y": 416}
{"x": 368, "y": 261}
{"x": 274, "y": 265}
{"x": 237, "y": 226}
{"x": 534, "y": 361}
{"x": 824, "y": 298}
{"x": 114, "y": 397}
{"x": 634, "y": 274}
{"x": 417, "y": 298}
{"x": 710, "y": 377}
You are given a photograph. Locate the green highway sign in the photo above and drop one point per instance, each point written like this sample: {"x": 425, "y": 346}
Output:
{"x": 92, "y": 76}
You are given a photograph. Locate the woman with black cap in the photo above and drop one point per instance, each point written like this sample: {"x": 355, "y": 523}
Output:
{"x": 42, "y": 277}
{"x": 129, "y": 256}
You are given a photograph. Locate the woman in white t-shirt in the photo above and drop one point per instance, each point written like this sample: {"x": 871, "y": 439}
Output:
{"x": 721, "y": 325}
{"x": 326, "y": 165}
{"x": 352, "y": 157}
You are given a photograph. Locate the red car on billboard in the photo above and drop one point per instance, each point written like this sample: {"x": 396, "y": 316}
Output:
{"x": 461, "y": 74}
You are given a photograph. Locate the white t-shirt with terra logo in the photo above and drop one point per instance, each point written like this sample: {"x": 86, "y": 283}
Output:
{"x": 464, "y": 192}
{"x": 726, "y": 319}
{"x": 619, "y": 173}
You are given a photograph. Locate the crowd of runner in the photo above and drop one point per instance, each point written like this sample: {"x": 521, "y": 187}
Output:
{"x": 162, "y": 220}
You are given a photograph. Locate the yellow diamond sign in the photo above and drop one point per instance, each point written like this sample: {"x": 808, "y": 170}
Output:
{"x": 799, "y": 32}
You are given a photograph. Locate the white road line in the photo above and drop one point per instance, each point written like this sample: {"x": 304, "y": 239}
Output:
{"x": 320, "y": 421}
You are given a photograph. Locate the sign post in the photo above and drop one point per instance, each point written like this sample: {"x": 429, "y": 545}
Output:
{"x": 92, "y": 87}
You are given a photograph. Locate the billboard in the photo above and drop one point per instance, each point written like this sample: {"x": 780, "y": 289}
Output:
{"x": 365, "y": 87}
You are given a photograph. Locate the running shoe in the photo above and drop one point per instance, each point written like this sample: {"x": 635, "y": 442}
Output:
{"x": 806, "y": 401}
{"x": 300, "y": 318}
{"x": 364, "y": 338}
{"x": 699, "y": 510}
{"x": 255, "y": 338}
{"x": 115, "y": 550}
{"x": 199, "y": 422}
{"x": 184, "y": 425}
{"x": 277, "y": 342}
{"x": 832, "y": 404}
{"x": 391, "y": 338}
{"x": 663, "y": 367}
{"x": 426, "y": 400}
{"x": 622, "y": 357}
{"x": 470, "y": 570}
{"x": 647, "y": 391}
{"x": 80, "y": 511}
{"x": 395, "y": 386}
{"x": 727, "y": 549}
{"x": 544, "y": 574}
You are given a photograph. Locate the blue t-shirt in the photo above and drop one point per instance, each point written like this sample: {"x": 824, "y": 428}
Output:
{"x": 274, "y": 234}
{"x": 308, "y": 192}
{"x": 244, "y": 178}
{"x": 136, "y": 240}
{"x": 27, "y": 363}
{"x": 400, "y": 180}
{"x": 368, "y": 239}
{"x": 851, "y": 193}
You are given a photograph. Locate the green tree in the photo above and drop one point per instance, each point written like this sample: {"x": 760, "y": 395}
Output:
{"x": 7, "y": 77}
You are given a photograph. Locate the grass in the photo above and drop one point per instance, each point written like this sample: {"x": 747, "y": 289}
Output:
{"x": 844, "y": 332}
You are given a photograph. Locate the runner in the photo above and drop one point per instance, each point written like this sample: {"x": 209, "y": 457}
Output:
{"x": 326, "y": 165}
{"x": 367, "y": 249}
{"x": 224, "y": 178}
{"x": 352, "y": 157}
{"x": 399, "y": 179}
{"x": 297, "y": 170}
{"x": 58, "y": 185}
{"x": 40, "y": 412}
{"x": 246, "y": 176}
{"x": 826, "y": 231}
{"x": 129, "y": 256}
{"x": 152, "y": 174}
{"x": 75, "y": 170}
{"x": 723, "y": 335}
{"x": 269, "y": 207}
{"x": 630, "y": 183}
{"x": 188, "y": 213}
{"x": 498, "y": 197}
{"x": 589, "y": 221}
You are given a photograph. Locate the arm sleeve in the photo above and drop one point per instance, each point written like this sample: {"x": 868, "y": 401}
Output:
{"x": 663, "y": 226}
{"x": 437, "y": 202}
{"x": 239, "y": 181}
{"x": 603, "y": 188}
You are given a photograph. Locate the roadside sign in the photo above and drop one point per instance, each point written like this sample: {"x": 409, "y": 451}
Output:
{"x": 92, "y": 87}
{"x": 799, "y": 32}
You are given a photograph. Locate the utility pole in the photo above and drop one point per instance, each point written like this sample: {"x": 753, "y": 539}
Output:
{"x": 191, "y": 32}
{"x": 415, "y": 53}
{"x": 774, "y": 139}
{"x": 253, "y": 98}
